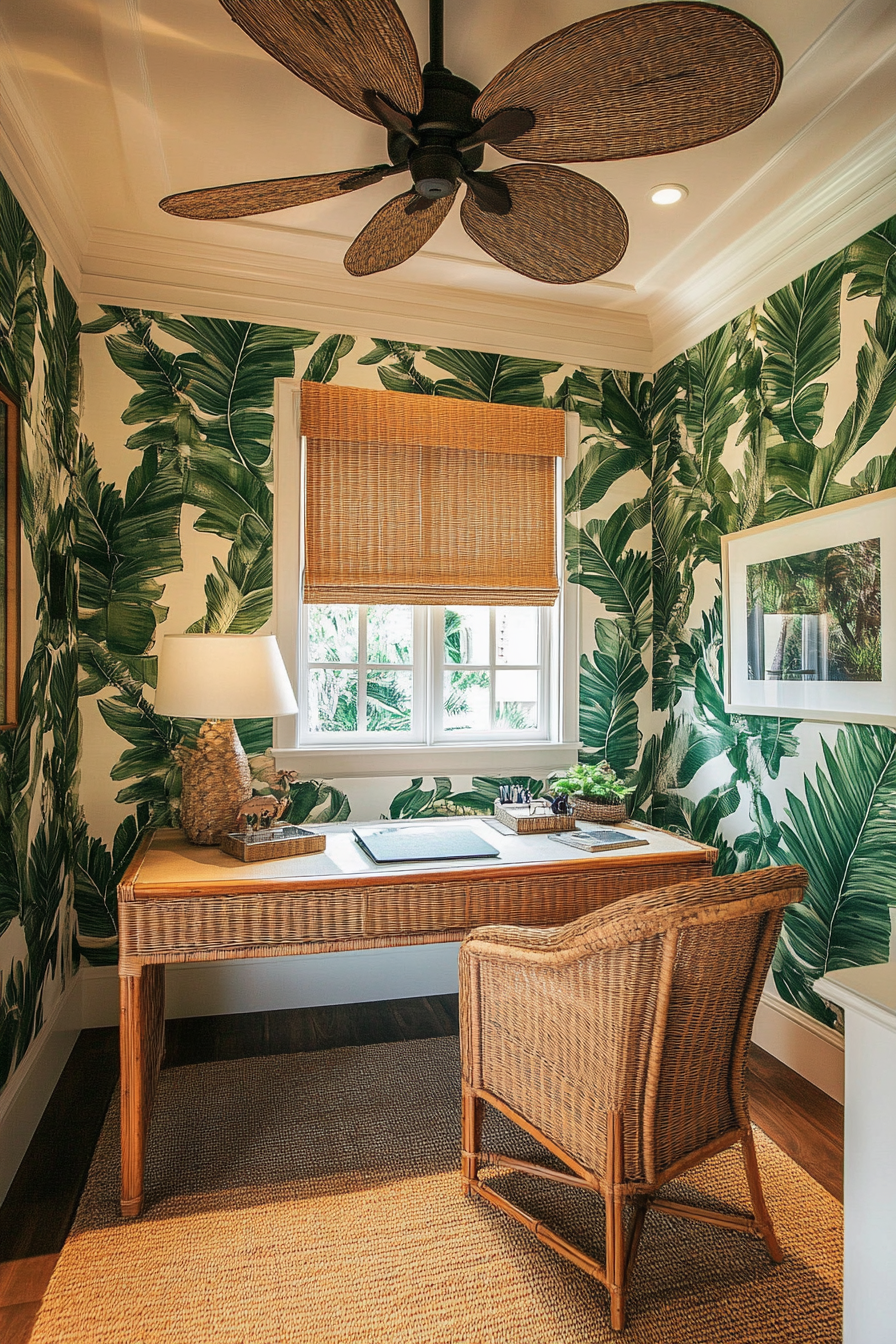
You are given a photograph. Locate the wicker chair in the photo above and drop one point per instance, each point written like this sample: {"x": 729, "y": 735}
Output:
{"x": 638, "y": 1016}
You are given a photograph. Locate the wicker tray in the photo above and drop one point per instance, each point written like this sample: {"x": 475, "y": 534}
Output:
{"x": 516, "y": 817}
{"x": 277, "y": 842}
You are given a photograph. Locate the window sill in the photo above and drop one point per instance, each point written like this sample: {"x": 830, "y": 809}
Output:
{"x": 467, "y": 758}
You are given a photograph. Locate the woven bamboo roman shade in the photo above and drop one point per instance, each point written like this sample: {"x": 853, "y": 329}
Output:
{"x": 428, "y": 500}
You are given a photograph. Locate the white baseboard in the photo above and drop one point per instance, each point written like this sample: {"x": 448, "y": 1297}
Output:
{"x": 24, "y": 1099}
{"x": 207, "y": 988}
{"x": 804, "y": 1045}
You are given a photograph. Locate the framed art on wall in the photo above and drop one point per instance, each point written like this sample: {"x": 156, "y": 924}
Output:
{"x": 9, "y": 562}
{"x": 809, "y": 608}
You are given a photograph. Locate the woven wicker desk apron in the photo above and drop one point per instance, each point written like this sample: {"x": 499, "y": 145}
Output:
{"x": 180, "y": 902}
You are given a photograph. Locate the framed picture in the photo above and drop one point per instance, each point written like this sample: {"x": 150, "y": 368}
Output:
{"x": 809, "y": 608}
{"x": 9, "y": 562}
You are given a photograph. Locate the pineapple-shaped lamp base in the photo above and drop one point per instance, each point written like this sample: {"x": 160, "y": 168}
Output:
{"x": 216, "y": 779}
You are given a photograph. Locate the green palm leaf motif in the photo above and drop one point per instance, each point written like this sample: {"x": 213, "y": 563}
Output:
{"x": 415, "y": 801}
{"x": 97, "y": 875}
{"x": 872, "y": 262}
{"x": 21, "y": 265}
{"x": 799, "y": 327}
{"x": 229, "y": 375}
{"x": 583, "y": 391}
{"x": 398, "y": 370}
{"x": 624, "y": 441}
{"x": 323, "y": 365}
{"x": 597, "y": 558}
{"x": 676, "y": 513}
{"x": 806, "y": 478}
{"x": 123, "y": 547}
{"x": 496, "y": 378}
{"x": 608, "y": 685}
{"x": 38, "y": 758}
{"x": 843, "y": 835}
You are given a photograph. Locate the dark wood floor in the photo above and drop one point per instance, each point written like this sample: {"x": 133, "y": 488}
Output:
{"x": 38, "y": 1210}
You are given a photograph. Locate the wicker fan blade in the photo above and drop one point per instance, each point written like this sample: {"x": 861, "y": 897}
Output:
{"x": 395, "y": 233}
{"x": 257, "y": 198}
{"x": 647, "y": 80}
{"x": 562, "y": 228}
{"x": 341, "y": 47}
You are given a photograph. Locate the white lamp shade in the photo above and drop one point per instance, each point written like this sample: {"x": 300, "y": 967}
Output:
{"x": 222, "y": 677}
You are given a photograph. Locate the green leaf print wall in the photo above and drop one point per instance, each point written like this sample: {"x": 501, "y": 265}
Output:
{"x": 39, "y": 814}
{"x": 746, "y": 433}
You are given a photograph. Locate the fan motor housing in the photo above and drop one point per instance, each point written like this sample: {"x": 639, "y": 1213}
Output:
{"x": 445, "y": 118}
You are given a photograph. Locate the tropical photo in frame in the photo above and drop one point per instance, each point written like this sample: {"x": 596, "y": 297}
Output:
{"x": 810, "y": 614}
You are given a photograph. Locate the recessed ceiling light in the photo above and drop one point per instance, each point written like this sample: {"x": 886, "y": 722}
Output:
{"x": 669, "y": 193}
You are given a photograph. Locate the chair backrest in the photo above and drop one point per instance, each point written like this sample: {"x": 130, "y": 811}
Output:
{"x": 680, "y": 971}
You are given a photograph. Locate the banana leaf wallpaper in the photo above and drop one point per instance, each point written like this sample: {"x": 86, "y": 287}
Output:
{"x": 40, "y": 822}
{"x": 155, "y": 509}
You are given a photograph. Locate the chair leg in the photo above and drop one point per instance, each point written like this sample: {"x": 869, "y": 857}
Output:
{"x": 757, "y": 1199}
{"x": 472, "y": 1109}
{"x": 615, "y": 1206}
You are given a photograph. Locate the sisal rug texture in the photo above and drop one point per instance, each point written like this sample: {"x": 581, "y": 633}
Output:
{"x": 316, "y": 1197}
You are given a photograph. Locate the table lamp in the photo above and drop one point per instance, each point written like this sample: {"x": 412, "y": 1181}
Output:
{"x": 219, "y": 678}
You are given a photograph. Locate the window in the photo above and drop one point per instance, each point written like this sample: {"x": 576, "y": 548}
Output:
{"x": 426, "y": 674}
{"x": 394, "y": 517}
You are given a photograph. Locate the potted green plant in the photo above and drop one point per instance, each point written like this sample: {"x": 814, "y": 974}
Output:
{"x": 596, "y": 792}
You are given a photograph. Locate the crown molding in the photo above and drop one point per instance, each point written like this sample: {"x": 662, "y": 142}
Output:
{"x": 36, "y": 174}
{"x": 784, "y": 219}
{"x": 173, "y": 275}
{"x": 839, "y": 206}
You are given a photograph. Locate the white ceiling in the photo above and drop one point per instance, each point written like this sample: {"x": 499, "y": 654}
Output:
{"x": 107, "y": 105}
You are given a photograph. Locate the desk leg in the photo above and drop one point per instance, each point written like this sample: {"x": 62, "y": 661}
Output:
{"x": 142, "y": 1039}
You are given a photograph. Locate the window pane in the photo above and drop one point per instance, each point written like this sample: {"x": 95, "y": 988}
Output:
{"x": 516, "y": 699}
{"x": 332, "y": 700}
{"x": 389, "y": 701}
{"x": 466, "y": 700}
{"x": 466, "y": 635}
{"x": 333, "y": 634}
{"x": 390, "y": 634}
{"x": 516, "y": 635}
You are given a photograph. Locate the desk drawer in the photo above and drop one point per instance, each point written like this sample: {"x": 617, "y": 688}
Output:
{"x": 410, "y": 908}
{"x": 219, "y": 923}
{"x": 546, "y": 900}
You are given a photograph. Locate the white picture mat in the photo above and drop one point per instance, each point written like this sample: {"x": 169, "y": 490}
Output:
{"x": 832, "y": 701}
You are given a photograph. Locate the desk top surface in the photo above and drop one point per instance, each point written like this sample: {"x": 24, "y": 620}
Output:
{"x": 168, "y": 866}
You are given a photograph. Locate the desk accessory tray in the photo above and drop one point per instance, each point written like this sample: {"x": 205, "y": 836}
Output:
{"x": 515, "y": 816}
{"x": 276, "y": 842}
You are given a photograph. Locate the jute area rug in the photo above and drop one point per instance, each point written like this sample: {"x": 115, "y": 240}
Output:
{"x": 316, "y": 1197}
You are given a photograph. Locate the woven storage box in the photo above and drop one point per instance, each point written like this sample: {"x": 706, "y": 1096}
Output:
{"x": 277, "y": 842}
{"x": 516, "y": 817}
{"x": 586, "y": 809}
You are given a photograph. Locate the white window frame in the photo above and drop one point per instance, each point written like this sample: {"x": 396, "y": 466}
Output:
{"x": 373, "y": 755}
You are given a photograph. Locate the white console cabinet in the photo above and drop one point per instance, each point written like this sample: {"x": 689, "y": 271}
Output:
{"x": 868, "y": 996}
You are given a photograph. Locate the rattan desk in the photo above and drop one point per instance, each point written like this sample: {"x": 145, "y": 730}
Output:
{"x": 180, "y": 902}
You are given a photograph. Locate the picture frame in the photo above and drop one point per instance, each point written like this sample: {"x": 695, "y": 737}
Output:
{"x": 809, "y": 614}
{"x": 9, "y": 561}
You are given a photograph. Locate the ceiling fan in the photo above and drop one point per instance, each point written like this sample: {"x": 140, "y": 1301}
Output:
{"x": 650, "y": 79}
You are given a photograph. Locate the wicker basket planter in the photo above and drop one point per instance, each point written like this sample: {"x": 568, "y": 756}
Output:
{"x": 587, "y": 809}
